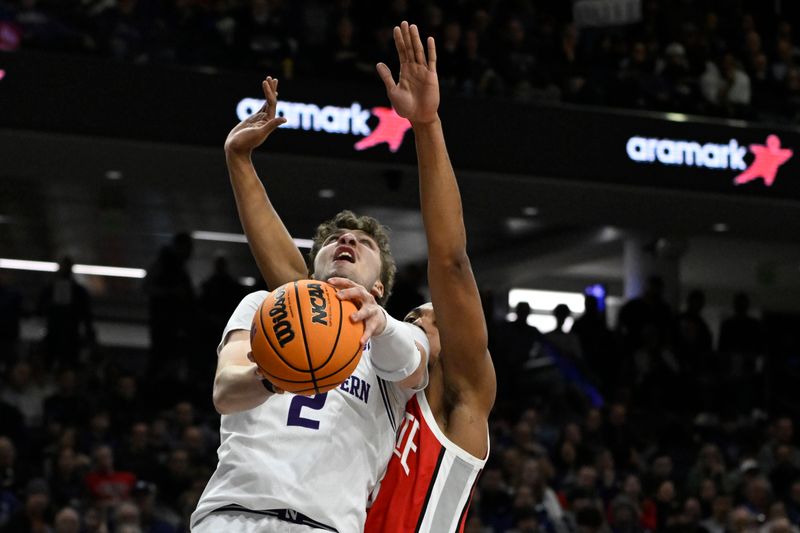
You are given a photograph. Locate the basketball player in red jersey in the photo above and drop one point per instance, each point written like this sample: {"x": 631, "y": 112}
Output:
{"x": 444, "y": 440}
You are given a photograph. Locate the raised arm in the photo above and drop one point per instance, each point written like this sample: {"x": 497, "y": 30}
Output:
{"x": 273, "y": 248}
{"x": 467, "y": 364}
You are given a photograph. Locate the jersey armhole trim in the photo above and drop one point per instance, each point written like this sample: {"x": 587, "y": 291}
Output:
{"x": 460, "y": 452}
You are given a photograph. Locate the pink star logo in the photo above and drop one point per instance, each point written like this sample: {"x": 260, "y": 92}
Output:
{"x": 391, "y": 129}
{"x": 765, "y": 165}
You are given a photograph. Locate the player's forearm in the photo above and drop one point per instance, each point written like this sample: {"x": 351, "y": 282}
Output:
{"x": 439, "y": 195}
{"x": 273, "y": 248}
{"x": 238, "y": 388}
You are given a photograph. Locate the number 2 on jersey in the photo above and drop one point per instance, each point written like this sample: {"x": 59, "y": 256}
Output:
{"x": 315, "y": 402}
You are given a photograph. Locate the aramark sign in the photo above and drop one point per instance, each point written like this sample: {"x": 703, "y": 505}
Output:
{"x": 728, "y": 156}
{"x": 391, "y": 127}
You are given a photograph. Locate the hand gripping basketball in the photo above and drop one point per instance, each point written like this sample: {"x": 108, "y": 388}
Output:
{"x": 369, "y": 312}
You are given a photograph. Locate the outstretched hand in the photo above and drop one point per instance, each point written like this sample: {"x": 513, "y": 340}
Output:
{"x": 416, "y": 95}
{"x": 250, "y": 133}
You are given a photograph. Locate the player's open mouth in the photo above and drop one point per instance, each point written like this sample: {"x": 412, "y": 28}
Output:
{"x": 343, "y": 253}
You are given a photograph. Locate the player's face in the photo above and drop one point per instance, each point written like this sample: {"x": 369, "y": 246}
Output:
{"x": 424, "y": 317}
{"x": 350, "y": 254}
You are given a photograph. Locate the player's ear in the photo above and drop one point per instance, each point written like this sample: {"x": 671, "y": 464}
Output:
{"x": 377, "y": 290}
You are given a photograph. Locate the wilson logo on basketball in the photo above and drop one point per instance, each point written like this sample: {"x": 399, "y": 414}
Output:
{"x": 390, "y": 129}
{"x": 304, "y": 343}
{"x": 281, "y": 327}
{"x": 319, "y": 305}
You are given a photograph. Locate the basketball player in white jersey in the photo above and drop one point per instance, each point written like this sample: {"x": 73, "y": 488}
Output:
{"x": 443, "y": 442}
{"x": 290, "y": 463}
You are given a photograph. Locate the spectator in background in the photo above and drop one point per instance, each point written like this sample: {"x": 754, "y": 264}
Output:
{"x": 793, "y": 503}
{"x": 136, "y": 454}
{"x": 677, "y": 92}
{"x": 13, "y": 477}
{"x": 450, "y": 56}
{"x": 516, "y": 63}
{"x": 477, "y": 77}
{"x": 727, "y": 87}
{"x": 693, "y": 347}
{"x": 267, "y": 37}
{"x": 171, "y": 302}
{"x": 597, "y": 342}
{"x": 106, "y": 485}
{"x": 34, "y": 515}
{"x": 220, "y": 294}
{"x": 67, "y": 406}
{"x": 648, "y": 309}
{"x": 154, "y": 518}
{"x": 67, "y": 309}
{"x": 791, "y": 95}
{"x": 619, "y": 436}
{"x": 565, "y": 342}
{"x": 693, "y": 341}
{"x": 718, "y": 521}
{"x": 757, "y": 495}
{"x": 710, "y": 465}
{"x": 781, "y": 433}
{"x": 635, "y": 78}
{"x": 66, "y": 476}
{"x": 344, "y": 56}
{"x": 67, "y": 520}
{"x": 786, "y": 58}
{"x": 25, "y": 394}
{"x": 785, "y": 471}
{"x": 175, "y": 479}
{"x": 742, "y": 349}
{"x": 127, "y": 515}
{"x": 127, "y": 404}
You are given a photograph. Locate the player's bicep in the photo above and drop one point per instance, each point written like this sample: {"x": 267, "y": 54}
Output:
{"x": 234, "y": 350}
{"x": 462, "y": 330}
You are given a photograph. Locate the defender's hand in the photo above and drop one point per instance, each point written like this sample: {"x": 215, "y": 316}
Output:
{"x": 416, "y": 95}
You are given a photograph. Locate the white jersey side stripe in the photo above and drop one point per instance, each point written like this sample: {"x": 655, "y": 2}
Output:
{"x": 387, "y": 403}
{"x": 456, "y": 487}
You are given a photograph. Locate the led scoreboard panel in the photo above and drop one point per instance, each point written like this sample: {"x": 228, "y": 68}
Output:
{"x": 83, "y": 96}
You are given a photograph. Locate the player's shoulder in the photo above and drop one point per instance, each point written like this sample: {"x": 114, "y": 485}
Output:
{"x": 248, "y": 306}
{"x": 255, "y": 297}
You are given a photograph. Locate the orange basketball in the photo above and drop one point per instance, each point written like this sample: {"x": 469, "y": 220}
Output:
{"x": 303, "y": 339}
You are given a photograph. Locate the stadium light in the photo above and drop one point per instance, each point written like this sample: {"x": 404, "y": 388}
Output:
{"x": 89, "y": 270}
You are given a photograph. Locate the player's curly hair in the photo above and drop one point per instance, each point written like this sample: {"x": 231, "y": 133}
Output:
{"x": 380, "y": 233}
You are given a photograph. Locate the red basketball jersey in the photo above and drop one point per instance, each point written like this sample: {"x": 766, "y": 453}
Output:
{"x": 428, "y": 484}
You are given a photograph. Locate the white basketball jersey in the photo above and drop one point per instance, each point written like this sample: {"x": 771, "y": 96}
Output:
{"x": 320, "y": 455}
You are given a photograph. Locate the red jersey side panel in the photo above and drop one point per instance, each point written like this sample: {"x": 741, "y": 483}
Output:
{"x": 429, "y": 481}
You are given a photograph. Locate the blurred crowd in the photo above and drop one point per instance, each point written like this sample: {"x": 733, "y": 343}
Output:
{"x": 734, "y": 59}
{"x": 651, "y": 425}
